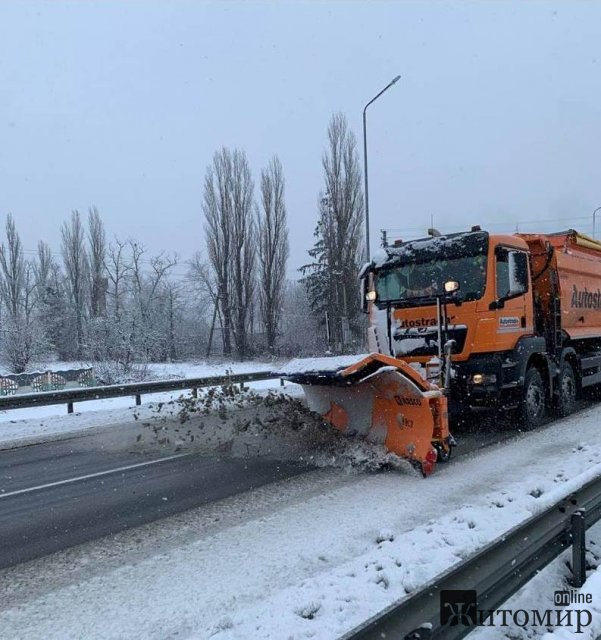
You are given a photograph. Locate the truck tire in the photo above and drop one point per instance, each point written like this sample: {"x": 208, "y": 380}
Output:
{"x": 566, "y": 391}
{"x": 531, "y": 411}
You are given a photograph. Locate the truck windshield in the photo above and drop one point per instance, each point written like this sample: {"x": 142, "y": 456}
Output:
{"x": 426, "y": 279}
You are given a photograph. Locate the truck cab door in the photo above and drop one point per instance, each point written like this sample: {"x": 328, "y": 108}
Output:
{"x": 512, "y": 284}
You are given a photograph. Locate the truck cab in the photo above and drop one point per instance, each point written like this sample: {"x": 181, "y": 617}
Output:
{"x": 485, "y": 317}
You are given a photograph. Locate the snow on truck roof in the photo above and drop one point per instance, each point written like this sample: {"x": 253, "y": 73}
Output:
{"x": 452, "y": 245}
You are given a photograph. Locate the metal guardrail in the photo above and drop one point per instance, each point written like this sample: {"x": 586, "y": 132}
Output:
{"x": 135, "y": 389}
{"x": 496, "y": 572}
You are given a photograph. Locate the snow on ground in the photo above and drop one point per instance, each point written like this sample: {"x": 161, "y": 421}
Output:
{"x": 537, "y": 595}
{"x": 593, "y": 587}
{"x": 200, "y": 369}
{"x": 40, "y": 420}
{"x": 161, "y": 370}
{"x": 310, "y": 557}
{"x": 40, "y": 424}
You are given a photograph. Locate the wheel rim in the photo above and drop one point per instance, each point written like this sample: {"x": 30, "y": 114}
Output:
{"x": 534, "y": 401}
{"x": 568, "y": 390}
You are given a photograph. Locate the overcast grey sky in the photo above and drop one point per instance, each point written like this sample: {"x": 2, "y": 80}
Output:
{"x": 497, "y": 117}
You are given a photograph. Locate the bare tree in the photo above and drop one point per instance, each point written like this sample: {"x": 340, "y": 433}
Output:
{"x": 143, "y": 319}
{"x": 30, "y": 292}
{"x": 43, "y": 266}
{"x": 217, "y": 207}
{"x": 273, "y": 249}
{"x": 99, "y": 282}
{"x": 12, "y": 264}
{"x": 173, "y": 304}
{"x": 230, "y": 237}
{"x": 12, "y": 285}
{"x": 114, "y": 334}
{"x": 300, "y": 331}
{"x": 22, "y": 335}
{"x": 117, "y": 266}
{"x": 243, "y": 250}
{"x": 76, "y": 264}
{"x": 145, "y": 285}
{"x": 48, "y": 303}
{"x": 202, "y": 285}
{"x": 147, "y": 289}
{"x": 201, "y": 282}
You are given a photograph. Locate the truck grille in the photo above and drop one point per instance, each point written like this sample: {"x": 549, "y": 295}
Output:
{"x": 423, "y": 341}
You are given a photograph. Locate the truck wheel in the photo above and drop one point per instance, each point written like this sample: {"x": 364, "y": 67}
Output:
{"x": 566, "y": 387}
{"x": 532, "y": 407}
{"x": 443, "y": 450}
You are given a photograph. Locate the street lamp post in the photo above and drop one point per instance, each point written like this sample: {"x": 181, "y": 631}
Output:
{"x": 594, "y": 214}
{"x": 393, "y": 81}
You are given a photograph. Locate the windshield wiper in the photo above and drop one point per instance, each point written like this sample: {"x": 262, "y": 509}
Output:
{"x": 407, "y": 302}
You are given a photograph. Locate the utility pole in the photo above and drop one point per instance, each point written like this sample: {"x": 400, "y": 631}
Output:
{"x": 594, "y": 215}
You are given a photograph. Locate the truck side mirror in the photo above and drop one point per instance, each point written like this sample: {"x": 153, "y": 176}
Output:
{"x": 362, "y": 292}
{"x": 366, "y": 296}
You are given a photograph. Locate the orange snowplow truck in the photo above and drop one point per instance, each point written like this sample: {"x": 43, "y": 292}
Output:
{"x": 516, "y": 319}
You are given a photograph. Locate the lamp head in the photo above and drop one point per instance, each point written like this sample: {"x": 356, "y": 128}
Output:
{"x": 451, "y": 286}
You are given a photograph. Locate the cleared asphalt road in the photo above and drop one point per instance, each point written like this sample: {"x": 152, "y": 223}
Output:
{"x": 57, "y": 495}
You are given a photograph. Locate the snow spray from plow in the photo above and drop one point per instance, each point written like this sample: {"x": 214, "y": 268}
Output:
{"x": 379, "y": 398}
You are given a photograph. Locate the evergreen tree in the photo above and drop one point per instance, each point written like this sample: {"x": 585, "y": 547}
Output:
{"x": 331, "y": 278}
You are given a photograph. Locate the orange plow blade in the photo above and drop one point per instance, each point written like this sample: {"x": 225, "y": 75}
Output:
{"x": 379, "y": 398}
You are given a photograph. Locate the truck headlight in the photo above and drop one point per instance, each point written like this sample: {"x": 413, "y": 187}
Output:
{"x": 484, "y": 378}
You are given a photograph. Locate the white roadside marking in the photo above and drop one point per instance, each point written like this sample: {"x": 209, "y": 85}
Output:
{"x": 98, "y": 474}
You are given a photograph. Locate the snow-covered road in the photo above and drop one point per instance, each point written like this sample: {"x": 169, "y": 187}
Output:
{"x": 309, "y": 557}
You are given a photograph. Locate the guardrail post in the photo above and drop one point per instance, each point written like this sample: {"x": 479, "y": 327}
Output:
{"x": 69, "y": 407}
{"x": 578, "y": 548}
{"x": 138, "y": 399}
